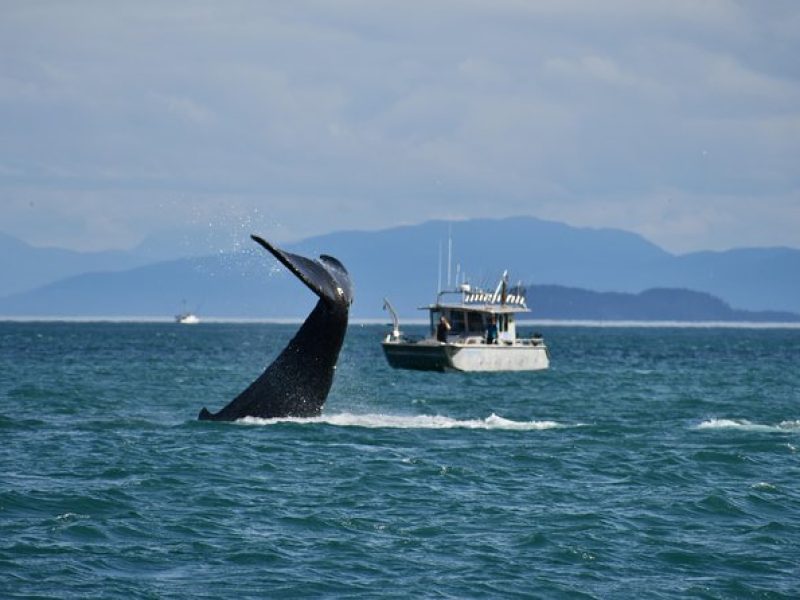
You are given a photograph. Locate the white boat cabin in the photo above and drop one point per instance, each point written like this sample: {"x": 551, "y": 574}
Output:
{"x": 470, "y": 330}
{"x": 471, "y": 316}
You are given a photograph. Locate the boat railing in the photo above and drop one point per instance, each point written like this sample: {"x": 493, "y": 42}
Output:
{"x": 535, "y": 340}
{"x": 402, "y": 337}
{"x": 475, "y": 296}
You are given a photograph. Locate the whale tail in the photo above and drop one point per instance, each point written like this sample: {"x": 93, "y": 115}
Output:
{"x": 297, "y": 382}
{"x": 326, "y": 277}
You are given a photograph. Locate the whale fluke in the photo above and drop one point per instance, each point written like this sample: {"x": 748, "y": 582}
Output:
{"x": 297, "y": 383}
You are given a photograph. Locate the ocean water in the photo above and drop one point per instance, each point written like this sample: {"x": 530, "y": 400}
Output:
{"x": 647, "y": 462}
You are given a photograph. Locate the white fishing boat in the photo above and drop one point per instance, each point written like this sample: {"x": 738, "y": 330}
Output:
{"x": 187, "y": 319}
{"x": 470, "y": 330}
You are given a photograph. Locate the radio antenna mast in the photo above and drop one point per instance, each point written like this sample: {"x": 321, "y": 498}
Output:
{"x": 449, "y": 251}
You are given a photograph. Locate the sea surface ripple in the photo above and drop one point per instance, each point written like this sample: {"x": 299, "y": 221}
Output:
{"x": 647, "y": 462}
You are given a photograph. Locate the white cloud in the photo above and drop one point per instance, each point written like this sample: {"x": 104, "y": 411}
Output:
{"x": 358, "y": 115}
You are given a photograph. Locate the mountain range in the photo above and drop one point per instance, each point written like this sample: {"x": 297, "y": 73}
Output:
{"x": 571, "y": 272}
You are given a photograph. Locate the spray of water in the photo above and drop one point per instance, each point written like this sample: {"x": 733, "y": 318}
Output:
{"x": 378, "y": 421}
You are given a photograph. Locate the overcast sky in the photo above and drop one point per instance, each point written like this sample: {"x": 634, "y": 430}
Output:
{"x": 676, "y": 119}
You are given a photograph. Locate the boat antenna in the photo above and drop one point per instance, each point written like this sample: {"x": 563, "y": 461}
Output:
{"x": 439, "y": 281}
{"x": 498, "y": 291}
{"x": 449, "y": 251}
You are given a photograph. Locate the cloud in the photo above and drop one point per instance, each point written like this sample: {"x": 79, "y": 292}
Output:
{"x": 349, "y": 115}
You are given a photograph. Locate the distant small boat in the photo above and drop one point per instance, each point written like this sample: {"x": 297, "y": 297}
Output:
{"x": 470, "y": 330}
{"x": 187, "y": 319}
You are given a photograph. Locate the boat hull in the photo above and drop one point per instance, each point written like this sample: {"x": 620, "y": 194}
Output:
{"x": 417, "y": 356}
{"x": 423, "y": 356}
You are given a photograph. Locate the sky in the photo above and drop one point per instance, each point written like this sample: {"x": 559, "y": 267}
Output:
{"x": 675, "y": 119}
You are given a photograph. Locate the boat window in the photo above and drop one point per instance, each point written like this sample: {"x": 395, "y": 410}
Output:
{"x": 456, "y": 322}
{"x": 502, "y": 323}
{"x": 475, "y": 323}
{"x": 435, "y": 314}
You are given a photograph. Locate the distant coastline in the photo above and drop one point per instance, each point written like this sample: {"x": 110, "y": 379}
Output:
{"x": 583, "y": 323}
{"x": 571, "y": 274}
{"x": 558, "y": 303}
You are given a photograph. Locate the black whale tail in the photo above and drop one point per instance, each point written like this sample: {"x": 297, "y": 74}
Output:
{"x": 297, "y": 382}
{"x": 326, "y": 277}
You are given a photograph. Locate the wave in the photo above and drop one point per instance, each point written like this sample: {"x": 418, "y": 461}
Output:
{"x": 745, "y": 425}
{"x": 376, "y": 421}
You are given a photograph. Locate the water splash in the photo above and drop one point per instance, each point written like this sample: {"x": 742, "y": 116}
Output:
{"x": 764, "y": 486}
{"x": 377, "y": 421}
{"x": 745, "y": 425}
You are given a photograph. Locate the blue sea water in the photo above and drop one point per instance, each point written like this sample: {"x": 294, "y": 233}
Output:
{"x": 647, "y": 462}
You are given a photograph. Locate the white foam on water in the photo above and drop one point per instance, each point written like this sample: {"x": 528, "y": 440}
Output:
{"x": 763, "y": 485}
{"x": 376, "y": 421}
{"x": 70, "y": 516}
{"x": 745, "y": 425}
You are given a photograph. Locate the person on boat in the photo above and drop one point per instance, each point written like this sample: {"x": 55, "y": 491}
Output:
{"x": 441, "y": 329}
{"x": 491, "y": 331}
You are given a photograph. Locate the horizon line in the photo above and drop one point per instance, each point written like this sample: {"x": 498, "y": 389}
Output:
{"x": 361, "y": 322}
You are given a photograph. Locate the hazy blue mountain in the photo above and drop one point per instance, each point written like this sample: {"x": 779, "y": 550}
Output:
{"x": 244, "y": 284}
{"x": 247, "y": 285}
{"x": 752, "y": 278}
{"x": 658, "y": 304}
{"x": 24, "y": 267}
{"x": 189, "y": 241}
{"x": 404, "y": 263}
{"x": 531, "y": 249}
